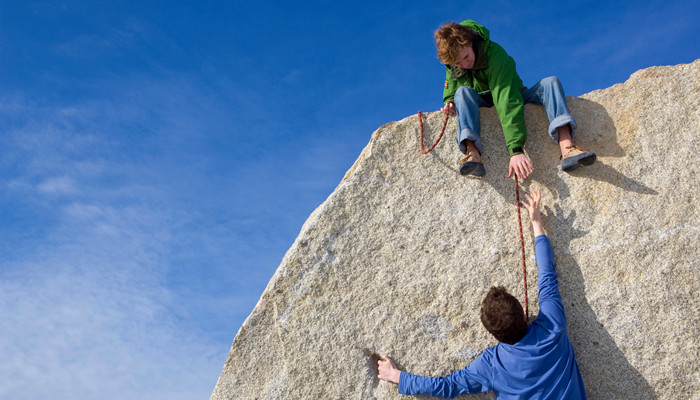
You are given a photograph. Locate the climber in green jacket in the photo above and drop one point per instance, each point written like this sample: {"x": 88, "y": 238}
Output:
{"x": 481, "y": 74}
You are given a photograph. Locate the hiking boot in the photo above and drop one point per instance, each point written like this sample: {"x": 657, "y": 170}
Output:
{"x": 576, "y": 157}
{"x": 471, "y": 165}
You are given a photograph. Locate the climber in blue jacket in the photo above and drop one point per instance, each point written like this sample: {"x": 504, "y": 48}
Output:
{"x": 529, "y": 362}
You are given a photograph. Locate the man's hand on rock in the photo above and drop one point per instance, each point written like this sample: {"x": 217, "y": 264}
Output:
{"x": 521, "y": 165}
{"x": 387, "y": 369}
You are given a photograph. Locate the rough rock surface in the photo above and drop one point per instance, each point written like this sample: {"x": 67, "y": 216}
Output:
{"x": 399, "y": 256}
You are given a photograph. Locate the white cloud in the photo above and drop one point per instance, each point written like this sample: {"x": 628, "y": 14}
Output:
{"x": 88, "y": 313}
{"x": 96, "y": 331}
{"x": 86, "y": 310}
{"x": 58, "y": 185}
{"x": 127, "y": 264}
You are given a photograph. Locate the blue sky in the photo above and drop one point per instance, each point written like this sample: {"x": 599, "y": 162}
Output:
{"x": 157, "y": 159}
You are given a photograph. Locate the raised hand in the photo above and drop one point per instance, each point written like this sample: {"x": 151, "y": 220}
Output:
{"x": 533, "y": 207}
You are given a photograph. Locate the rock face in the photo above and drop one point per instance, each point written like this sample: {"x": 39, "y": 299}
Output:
{"x": 400, "y": 255}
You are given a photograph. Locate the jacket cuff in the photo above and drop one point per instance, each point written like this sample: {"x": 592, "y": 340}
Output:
{"x": 516, "y": 150}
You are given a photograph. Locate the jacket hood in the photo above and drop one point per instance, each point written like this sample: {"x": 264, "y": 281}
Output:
{"x": 481, "y": 61}
{"x": 476, "y": 27}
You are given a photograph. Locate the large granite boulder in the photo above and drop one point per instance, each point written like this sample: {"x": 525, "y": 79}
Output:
{"x": 400, "y": 255}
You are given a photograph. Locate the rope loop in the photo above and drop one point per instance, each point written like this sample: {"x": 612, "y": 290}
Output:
{"x": 420, "y": 121}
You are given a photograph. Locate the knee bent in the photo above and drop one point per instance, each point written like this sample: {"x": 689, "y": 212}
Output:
{"x": 550, "y": 81}
{"x": 465, "y": 92}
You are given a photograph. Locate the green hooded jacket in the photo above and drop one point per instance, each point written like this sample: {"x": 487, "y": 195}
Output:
{"x": 494, "y": 73}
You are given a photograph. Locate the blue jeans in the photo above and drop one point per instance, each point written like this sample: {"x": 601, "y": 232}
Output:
{"x": 547, "y": 92}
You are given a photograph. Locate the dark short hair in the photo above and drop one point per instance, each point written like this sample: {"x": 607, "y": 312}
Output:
{"x": 503, "y": 316}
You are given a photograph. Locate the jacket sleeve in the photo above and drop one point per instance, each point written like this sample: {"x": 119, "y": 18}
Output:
{"x": 451, "y": 86}
{"x": 550, "y": 299}
{"x": 474, "y": 378}
{"x": 505, "y": 87}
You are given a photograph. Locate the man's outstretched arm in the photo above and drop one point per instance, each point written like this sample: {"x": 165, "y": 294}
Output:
{"x": 465, "y": 381}
{"x": 548, "y": 287}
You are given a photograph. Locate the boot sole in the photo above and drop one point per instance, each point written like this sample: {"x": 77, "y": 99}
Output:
{"x": 472, "y": 168}
{"x": 581, "y": 160}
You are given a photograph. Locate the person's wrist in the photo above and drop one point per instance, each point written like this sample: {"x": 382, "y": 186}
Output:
{"x": 537, "y": 226}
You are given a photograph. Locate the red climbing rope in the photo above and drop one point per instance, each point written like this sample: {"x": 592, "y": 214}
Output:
{"x": 420, "y": 121}
{"x": 517, "y": 197}
{"x": 522, "y": 243}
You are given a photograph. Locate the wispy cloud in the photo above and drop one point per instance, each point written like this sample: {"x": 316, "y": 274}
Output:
{"x": 86, "y": 305}
{"x": 73, "y": 328}
{"x": 109, "y": 40}
{"x": 87, "y": 314}
{"x": 58, "y": 185}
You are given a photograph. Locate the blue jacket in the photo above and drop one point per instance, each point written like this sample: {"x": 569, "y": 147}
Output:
{"x": 540, "y": 366}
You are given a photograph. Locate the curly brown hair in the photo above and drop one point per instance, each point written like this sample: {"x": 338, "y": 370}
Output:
{"x": 449, "y": 38}
{"x": 503, "y": 316}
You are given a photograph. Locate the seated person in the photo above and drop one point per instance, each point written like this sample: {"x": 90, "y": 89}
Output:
{"x": 481, "y": 74}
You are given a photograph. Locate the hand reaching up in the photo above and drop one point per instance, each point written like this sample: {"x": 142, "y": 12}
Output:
{"x": 533, "y": 207}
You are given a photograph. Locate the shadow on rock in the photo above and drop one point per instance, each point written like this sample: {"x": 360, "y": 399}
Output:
{"x": 605, "y": 173}
{"x": 596, "y": 130}
{"x": 606, "y": 372}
